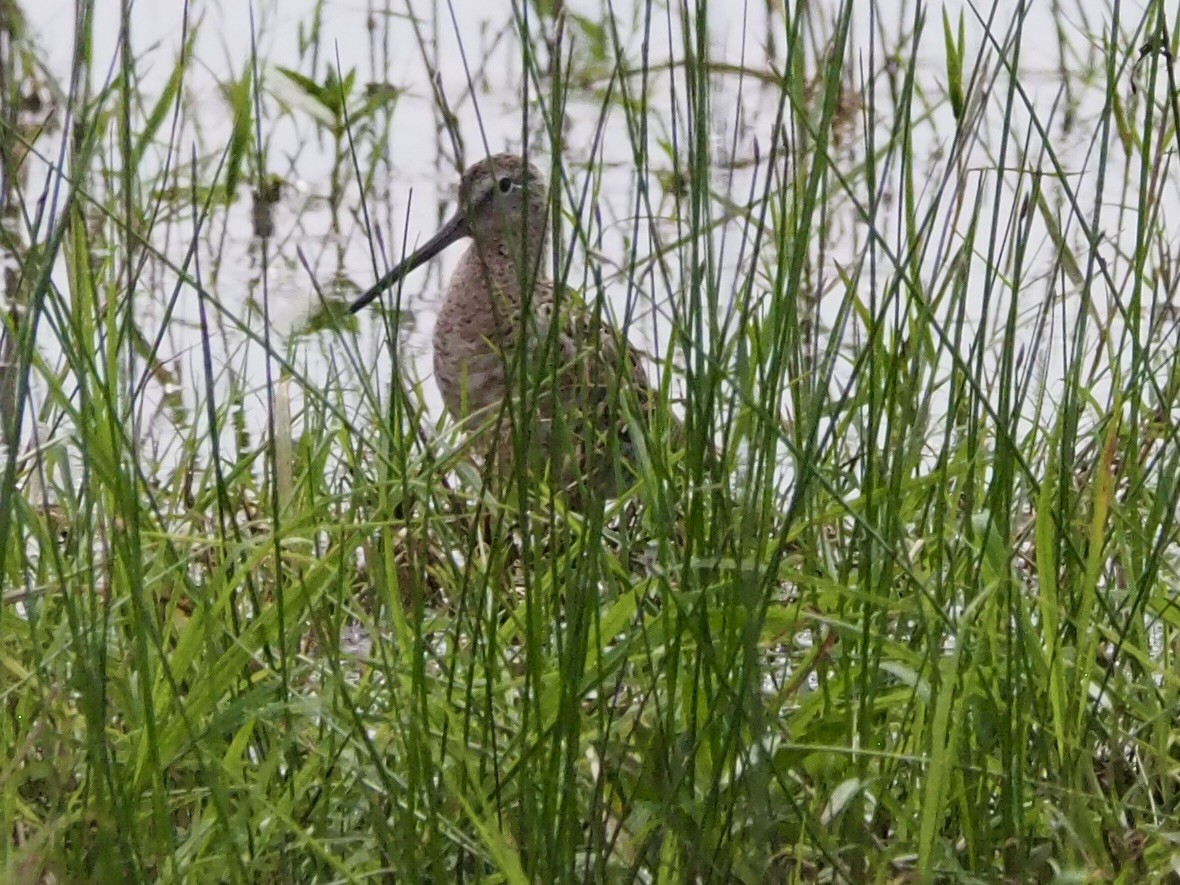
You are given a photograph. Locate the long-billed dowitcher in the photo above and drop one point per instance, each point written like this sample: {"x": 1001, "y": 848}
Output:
{"x": 496, "y": 332}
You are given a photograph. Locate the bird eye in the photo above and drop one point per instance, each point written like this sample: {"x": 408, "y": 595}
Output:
{"x": 506, "y": 185}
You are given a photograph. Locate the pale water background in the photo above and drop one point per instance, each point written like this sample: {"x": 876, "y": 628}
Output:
{"x": 412, "y": 190}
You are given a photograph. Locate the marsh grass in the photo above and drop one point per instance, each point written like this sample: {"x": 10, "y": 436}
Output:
{"x": 262, "y": 621}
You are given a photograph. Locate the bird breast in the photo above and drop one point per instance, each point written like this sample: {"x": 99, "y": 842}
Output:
{"x": 476, "y": 329}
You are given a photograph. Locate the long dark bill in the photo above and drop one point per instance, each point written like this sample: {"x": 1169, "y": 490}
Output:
{"x": 455, "y": 229}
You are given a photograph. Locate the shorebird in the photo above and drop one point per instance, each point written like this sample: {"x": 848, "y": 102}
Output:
{"x": 527, "y": 367}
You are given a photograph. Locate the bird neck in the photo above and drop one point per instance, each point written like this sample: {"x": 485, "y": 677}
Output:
{"x": 508, "y": 262}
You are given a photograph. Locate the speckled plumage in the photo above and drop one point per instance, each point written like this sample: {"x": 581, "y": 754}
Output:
{"x": 567, "y": 405}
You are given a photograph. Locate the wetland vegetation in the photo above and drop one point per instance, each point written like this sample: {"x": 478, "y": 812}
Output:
{"x": 910, "y": 269}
